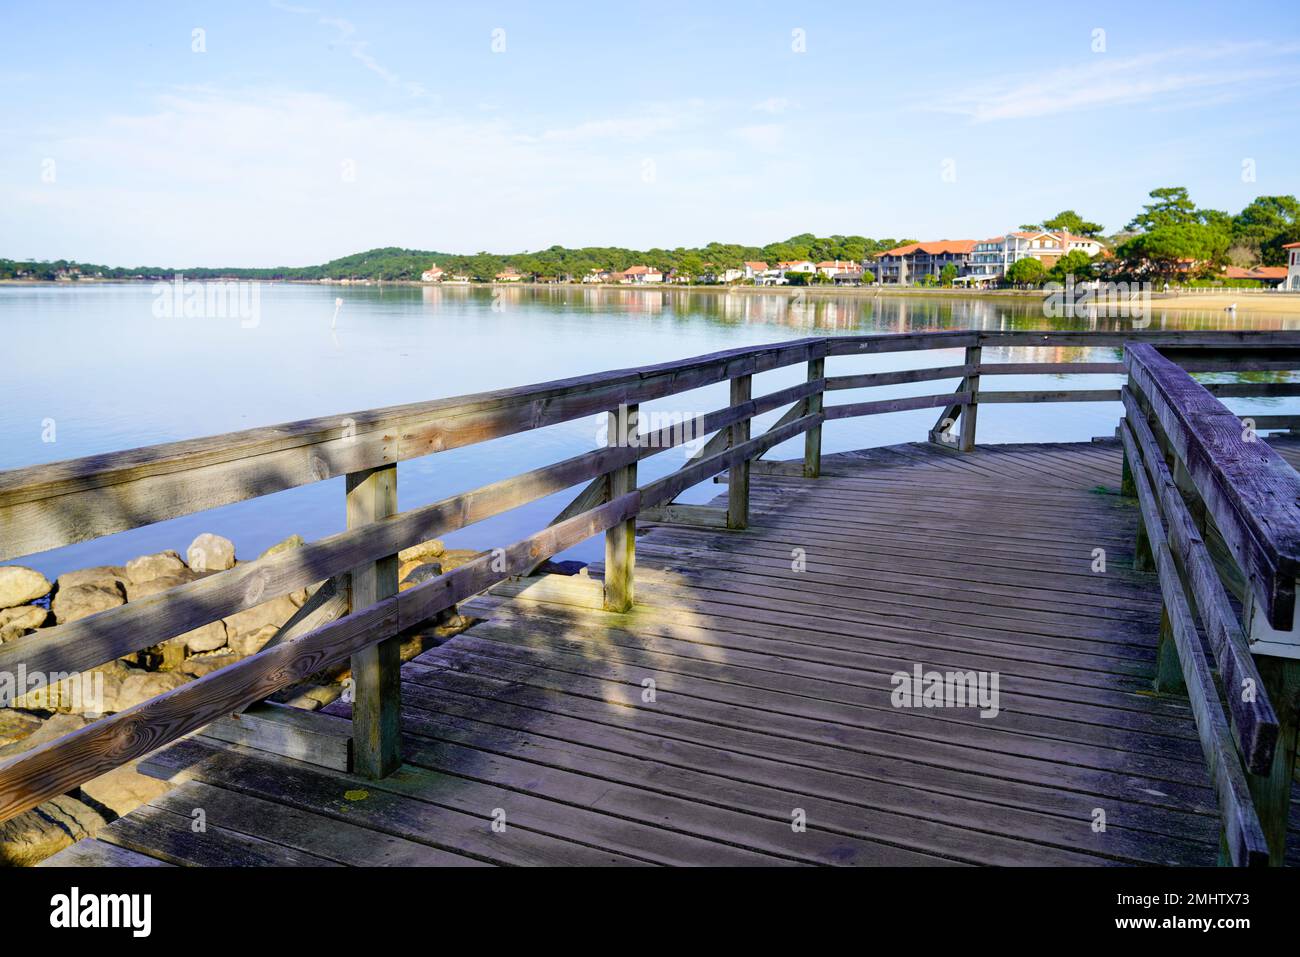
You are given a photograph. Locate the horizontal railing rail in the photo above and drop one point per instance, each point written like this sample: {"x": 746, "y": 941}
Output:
{"x": 360, "y": 614}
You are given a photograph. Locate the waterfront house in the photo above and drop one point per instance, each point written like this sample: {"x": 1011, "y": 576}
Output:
{"x": 596, "y": 276}
{"x": 905, "y": 265}
{"x": 797, "y": 265}
{"x": 832, "y": 269}
{"x": 432, "y": 274}
{"x": 753, "y": 270}
{"x": 1292, "y": 267}
{"x": 639, "y": 275}
{"x": 1265, "y": 275}
{"x": 509, "y": 274}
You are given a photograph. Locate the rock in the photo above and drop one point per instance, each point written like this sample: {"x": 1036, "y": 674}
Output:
{"x": 16, "y": 725}
{"x": 49, "y": 729}
{"x": 152, "y": 566}
{"x": 455, "y": 557}
{"x": 137, "y": 590}
{"x": 16, "y": 622}
{"x": 422, "y": 552}
{"x": 86, "y": 692}
{"x": 143, "y": 685}
{"x": 46, "y": 829}
{"x": 251, "y": 642}
{"x": 19, "y": 585}
{"x": 274, "y": 612}
{"x": 200, "y": 665}
{"x": 100, "y": 575}
{"x": 293, "y": 541}
{"x": 82, "y": 601}
{"x": 211, "y": 553}
{"x": 122, "y": 790}
{"x": 209, "y": 637}
{"x": 418, "y": 573}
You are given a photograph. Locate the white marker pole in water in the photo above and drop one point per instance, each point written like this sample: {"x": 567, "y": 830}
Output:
{"x": 338, "y": 305}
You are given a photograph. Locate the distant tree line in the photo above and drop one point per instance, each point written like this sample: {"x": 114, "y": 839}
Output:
{"x": 557, "y": 262}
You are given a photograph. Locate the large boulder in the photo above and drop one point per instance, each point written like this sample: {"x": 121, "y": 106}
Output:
{"x": 16, "y": 725}
{"x": 122, "y": 790}
{"x": 153, "y": 566}
{"x": 247, "y": 643}
{"x": 86, "y": 692}
{"x": 247, "y": 628}
{"x": 45, "y": 830}
{"x": 143, "y": 685}
{"x": 19, "y": 585}
{"x": 211, "y": 553}
{"x": 82, "y": 601}
{"x": 16, "y": 622}
{"x": 293, "y": 541}
{"x": 100, "y": 575}
{"x": 49, "y": 729}
{"x": 207, "y": 637}
{"x": 137, "y": 590}
{"x": 208, "y": 662}
{"x": 421, "y": 552}
{"x": 455, "y": 557}
{"x": 417, "y": 573}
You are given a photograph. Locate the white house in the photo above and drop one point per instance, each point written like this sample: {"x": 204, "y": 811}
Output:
{"x": 1292, "y": 267}
{"x": 637, "y": 275}
{"x": 754, "y": 269}
{"x": 991, "y": 258}
{"x": 797, "y": 265}
{"x": 432, "y": 274}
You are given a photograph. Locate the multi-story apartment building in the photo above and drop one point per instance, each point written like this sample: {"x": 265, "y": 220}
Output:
{"x": 912, "y": 263}
{"x": 1292, "y": 267}
{"x": 991, "y": 258}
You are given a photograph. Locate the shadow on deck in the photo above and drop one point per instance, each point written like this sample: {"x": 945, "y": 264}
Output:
{"x": 745, "y": 694}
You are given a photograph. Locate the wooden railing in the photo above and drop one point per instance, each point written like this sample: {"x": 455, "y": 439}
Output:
{"x": 1221, "y": 520}
{"x": 359, "y": 612}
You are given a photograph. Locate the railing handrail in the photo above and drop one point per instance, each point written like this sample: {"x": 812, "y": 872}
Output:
{"x": 140, "y": 486}
{"x": 162, "y": 481}
{"x": 1250, "y": 491}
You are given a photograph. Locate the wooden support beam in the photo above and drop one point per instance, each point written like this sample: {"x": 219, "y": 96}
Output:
{"x": 320, "y": 739}
{"x": 970, "y": 385}
{"x": 376, "y": 705}
{"x": 1272, "y": 791}
{"x": 674, "y": 513}
{"x": 812, "y": 440}
{"x": 738, "y": 478}
{"x": 620, "y": 539}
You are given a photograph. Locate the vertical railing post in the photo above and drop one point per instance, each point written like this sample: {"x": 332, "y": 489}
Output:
{"x": 812, "y": 439}
{"x": 376, "y": 704}
{"x": 1272, "y": 791}
{"x": 970, "y": 412}
{"x": 620, "y": 540}
{"x": 742, "y": 387}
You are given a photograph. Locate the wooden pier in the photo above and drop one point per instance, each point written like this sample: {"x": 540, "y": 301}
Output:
{"x": 723, "y": 688}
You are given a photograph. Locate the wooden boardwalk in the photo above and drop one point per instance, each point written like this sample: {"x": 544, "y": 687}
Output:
{"x": 742, "y": 694}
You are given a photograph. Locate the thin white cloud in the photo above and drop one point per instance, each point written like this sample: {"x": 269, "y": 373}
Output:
{"x": 1168, "y": 79}
{"x": 773, "y": 105}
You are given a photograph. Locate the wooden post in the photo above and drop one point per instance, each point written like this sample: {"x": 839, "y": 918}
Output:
{"x": 1272, "y": 792}
{"x": 376, "y": 704}
{"x": 738, "y": 475}
{"x": 1169, "y": 671}
{"x": 620, "y": 540}
{"x": 812, "y": 439}
{"x": 969, "y": 412}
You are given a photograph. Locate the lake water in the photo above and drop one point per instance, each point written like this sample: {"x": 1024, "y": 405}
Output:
{"x": 97, "y": 369}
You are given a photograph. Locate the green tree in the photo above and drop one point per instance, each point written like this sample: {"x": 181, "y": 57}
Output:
{"x": 1171, "y": 206}
{"x": 1026, "y": 272}
{"x": 948, "y": 274}
{"x": 1075, "y": 263}
{"x": 1070, "y": 221}
{"x": 1265, "y": 225}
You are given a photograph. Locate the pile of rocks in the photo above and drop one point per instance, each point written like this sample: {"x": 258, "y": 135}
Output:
{"x": 29, "y": 602}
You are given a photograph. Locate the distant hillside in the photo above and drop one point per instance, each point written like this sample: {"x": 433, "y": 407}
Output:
{"x": 392, "y": 263}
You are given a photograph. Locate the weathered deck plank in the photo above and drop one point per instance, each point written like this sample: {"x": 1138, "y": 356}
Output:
{"x": 771, "y": 696}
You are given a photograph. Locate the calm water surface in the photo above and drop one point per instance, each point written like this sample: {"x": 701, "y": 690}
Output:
{"x": 111, "y": 375}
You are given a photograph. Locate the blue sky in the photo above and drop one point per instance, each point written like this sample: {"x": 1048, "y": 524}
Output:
{"x": 306, "y": 131}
